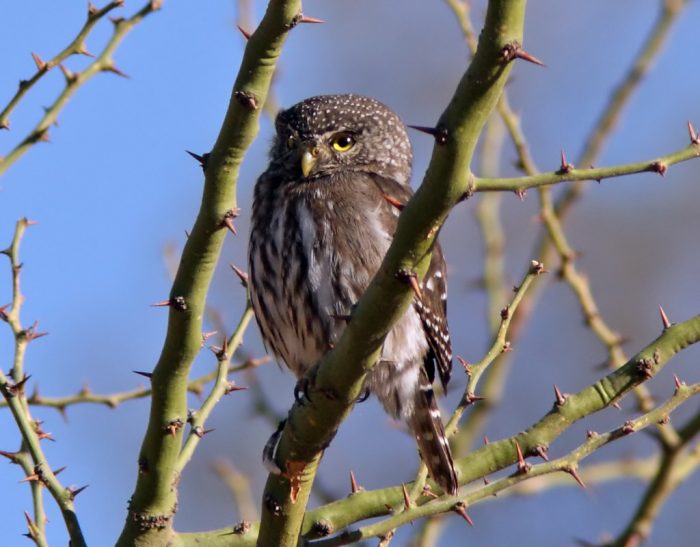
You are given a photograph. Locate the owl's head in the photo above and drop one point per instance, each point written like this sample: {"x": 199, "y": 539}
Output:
{"x": 328, "y": 134}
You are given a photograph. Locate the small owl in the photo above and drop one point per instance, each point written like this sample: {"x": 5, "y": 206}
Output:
{"x": 324, "y": 214}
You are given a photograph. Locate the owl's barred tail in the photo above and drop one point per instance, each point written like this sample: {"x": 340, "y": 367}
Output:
{"x": 426, "y": 424}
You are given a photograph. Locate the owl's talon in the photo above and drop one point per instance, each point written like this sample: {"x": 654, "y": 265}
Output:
{"x": 301, "y": 391}
{"x": 268, "y": 454}
{"x": 362, "y": 398}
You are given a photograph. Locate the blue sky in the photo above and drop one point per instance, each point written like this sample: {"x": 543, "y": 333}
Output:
{"x": 114, "y": 189}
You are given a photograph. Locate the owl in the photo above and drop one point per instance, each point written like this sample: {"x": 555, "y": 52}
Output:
{"x": 324, "y": 214}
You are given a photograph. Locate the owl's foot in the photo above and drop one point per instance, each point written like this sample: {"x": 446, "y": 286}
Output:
{"x": 268, "y": 454}
{"x": 301, "y": 391}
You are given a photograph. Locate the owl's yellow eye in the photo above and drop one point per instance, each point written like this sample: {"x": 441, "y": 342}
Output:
{"x": 342, "y": 142}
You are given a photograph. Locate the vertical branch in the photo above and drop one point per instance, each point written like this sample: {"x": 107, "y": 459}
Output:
{"x": 154, "y": 502}
{"x": 37, "y": 471}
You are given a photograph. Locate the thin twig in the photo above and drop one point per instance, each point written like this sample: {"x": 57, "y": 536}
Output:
{"x": 74, "y": 81}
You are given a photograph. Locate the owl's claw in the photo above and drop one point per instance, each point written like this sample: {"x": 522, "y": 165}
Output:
{"x": 301, "y": 391}
{"x": 362, "y": 398}
{"x": 268, "y": 454}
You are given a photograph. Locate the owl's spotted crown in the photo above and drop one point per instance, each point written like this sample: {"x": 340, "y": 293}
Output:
{"x": 379, "y": 131}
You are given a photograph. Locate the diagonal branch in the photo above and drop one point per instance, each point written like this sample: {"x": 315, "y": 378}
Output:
{"x": 340, "y": 376}
{"x": 74, "y": 81}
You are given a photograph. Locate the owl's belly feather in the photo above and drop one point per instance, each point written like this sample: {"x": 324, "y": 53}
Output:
{"x": 325, "y": 258}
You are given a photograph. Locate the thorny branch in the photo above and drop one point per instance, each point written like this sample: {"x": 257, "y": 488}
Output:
{"x": 73, "y": 80}
{"x": 31, "y": 456}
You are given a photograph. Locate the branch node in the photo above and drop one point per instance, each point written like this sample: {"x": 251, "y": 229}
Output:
{"x": 513, "y": 50}
{"x": 247, "y": 99}
{"x": 564, "y": 166}
{"x": 658, "y": 167}
{"x": 228, "y": 219}
{"x": 173, "y": 426}
{"x": 410, "y": 277}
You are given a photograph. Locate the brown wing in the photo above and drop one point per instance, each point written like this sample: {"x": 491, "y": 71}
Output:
{"x": 432, "y": 308}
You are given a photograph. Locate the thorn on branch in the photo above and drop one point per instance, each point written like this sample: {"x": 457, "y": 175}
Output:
{"x": 461, "y": 509}
{"x": 694, "y": 139}
{"x": 466, "y": 366}
{"x": 200, "y": 431}
{"x": 664, "y": 318}
{"x": 438, "y": 133}
{"x": 68, "y": 74}
{"x": 12, "y": 456}
{"x": 31, "y": 333}
{"x": 244, "y": 32}
{"x": 470, "y": 399}
{"x": 177, "y": 302}
{"x": 571, "y": 470}
{"x": 228, "y": 219}
{"x": 541, "y": 451}
{"x": 15, "y": 389}
{"x": 203, "y": 159}
{"x": 148, "y": 375}
{"x": 678, "y": 383}
{"x": 354, "y": 487}
{"x": 627, "y": 427}
{"x": 231, "y": 387}
{"x": 523, "y": 466}
{"x": 111, "y": 67}
{"x": 173, "y": 426}
{"x": 242, "y": 276}
{"x": 406, "y": 498}
{"x": 616, "y": 405}
{"x": 40, "y": 64}
{"x": 301, "y": 18}
{"x": 560, "y": 399}
{"x": 73, "y": 492}
{"x": 411, "y": 278}
{"x": 513, "y": 50}
{"x": 564, "y": 167}
{"x": 590, "y": 434}
{"x": 658, "y": 167}
{"x": 248, "y": 100}
{"x": 428, "y": 492}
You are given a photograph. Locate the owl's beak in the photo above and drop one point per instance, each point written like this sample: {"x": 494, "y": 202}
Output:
{"x": 308, "y": 162}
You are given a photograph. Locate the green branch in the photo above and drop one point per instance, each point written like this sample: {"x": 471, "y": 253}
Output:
{"x": 495, "y": 456}
{"x": 12, "y": 390}
{"x": 74, "y": 81}
{"x": 339, "y": 378}
{"x": 76, "y": 47}
{"x": 569, "y": 173}
{"x": 154, "y": 502}
{"x": 567, "y": 463}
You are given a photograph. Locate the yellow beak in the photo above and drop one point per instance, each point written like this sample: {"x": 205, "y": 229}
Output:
{"x": 308, "y": 162}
